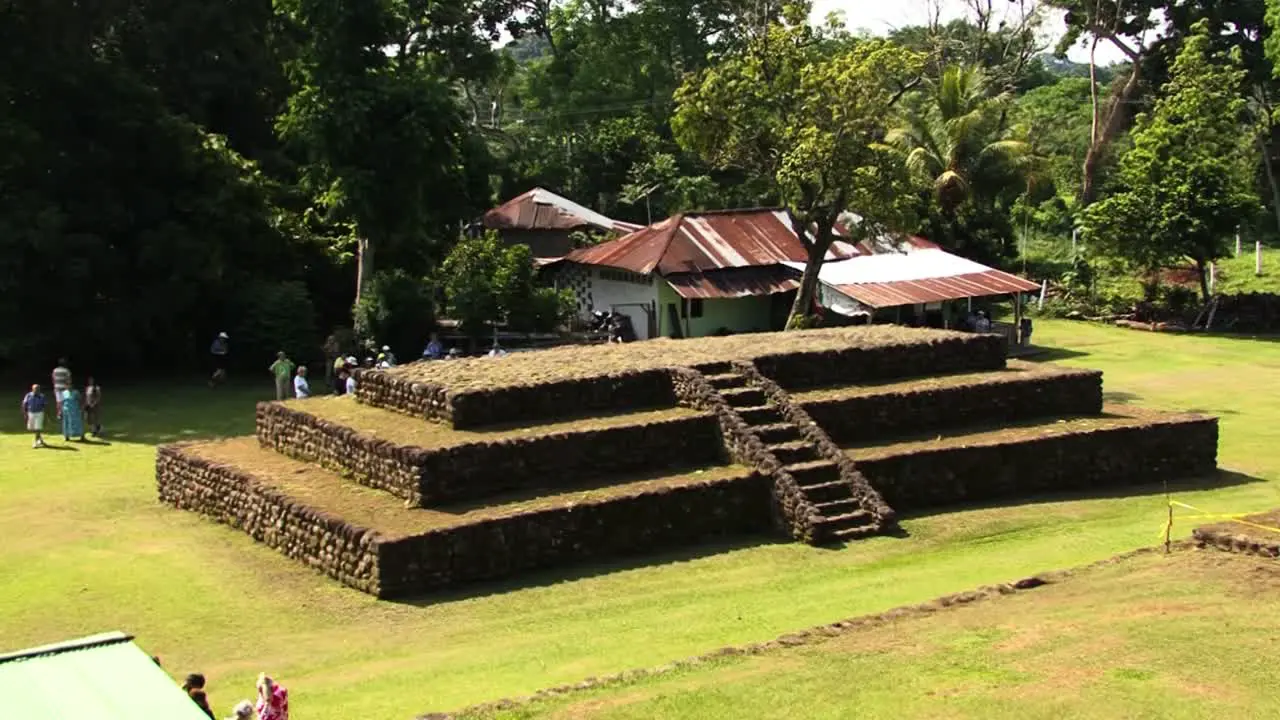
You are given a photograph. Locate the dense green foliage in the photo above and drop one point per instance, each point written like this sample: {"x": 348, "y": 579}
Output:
{"x": 487, "y": 282}
{"x": 160, "y": 160}
{"x": 1185, "y": 184}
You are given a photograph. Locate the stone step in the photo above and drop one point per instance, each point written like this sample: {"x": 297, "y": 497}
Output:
{"x": 777, "y": 432}
{"x": 793, "y": 451}
{"x": 744, "y": 397}
{"x": 834, "y": 508}
{"x": 761, "y": 415}
{"x": 856, "y": 532}
{"x": 725, "y": 381}
{"x": 813, "y": 472}
{"x": 714, "y": 368}
{"x": 832, "y": 491}
{"x": 849, "y": 526}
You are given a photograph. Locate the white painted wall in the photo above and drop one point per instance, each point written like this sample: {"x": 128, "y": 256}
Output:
{"x": 607, "y": 290}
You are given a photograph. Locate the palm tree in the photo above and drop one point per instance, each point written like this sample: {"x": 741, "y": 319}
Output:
{"x": 956, "y": 141}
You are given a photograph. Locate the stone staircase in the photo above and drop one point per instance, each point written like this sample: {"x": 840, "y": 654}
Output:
{"x": 824, "y": 477}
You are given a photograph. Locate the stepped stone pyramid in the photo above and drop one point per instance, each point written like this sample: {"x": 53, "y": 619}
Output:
{"x": 445, "y": 472}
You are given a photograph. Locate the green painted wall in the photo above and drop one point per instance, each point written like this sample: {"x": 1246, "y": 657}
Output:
{"x": 749, "y": 314}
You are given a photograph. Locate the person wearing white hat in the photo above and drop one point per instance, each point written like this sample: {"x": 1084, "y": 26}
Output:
{"x": 389, "y": 356}
{"x": 220, "y": 349}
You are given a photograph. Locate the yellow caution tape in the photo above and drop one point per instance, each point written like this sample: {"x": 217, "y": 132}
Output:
{"x": 1206, "y": 515}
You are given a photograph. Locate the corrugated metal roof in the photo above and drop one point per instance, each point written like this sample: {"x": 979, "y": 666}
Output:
{"x": 700, "y": 242}
{"x": 910, "y": 292}
{"x": 734, "y": 282}
{"x": 540, "y": 209}
{"x": 104, "y": 677}
{"x": 929, "y": 274}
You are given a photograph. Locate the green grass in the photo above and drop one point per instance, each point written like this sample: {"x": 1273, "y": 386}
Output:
{"x": 1154, "y": 636}
{"x": 1236, "y": 274}
{"x": 85, "y": 547}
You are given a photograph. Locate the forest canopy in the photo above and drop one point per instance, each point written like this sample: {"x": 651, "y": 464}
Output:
{"x": 169, "y": 170}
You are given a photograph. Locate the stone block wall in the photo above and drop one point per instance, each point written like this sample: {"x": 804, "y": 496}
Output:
{"x": 1096, "y": 458}
{"x": 427, "y": 477}
{"x": 532, "y": 404}
{"x": 342, "y": 551}
{"x": 949, "y": 353}
{"x": 994, "y": 399}
{"x": 612, "y": 527}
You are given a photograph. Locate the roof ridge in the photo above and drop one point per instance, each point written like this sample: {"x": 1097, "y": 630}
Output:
{"x": 731, "y": 211}
{"x": 84, "y": 643}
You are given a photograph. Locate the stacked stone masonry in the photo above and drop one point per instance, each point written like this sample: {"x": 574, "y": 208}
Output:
{"x": 428, "y": 477}
{"x": 797, "y": 478}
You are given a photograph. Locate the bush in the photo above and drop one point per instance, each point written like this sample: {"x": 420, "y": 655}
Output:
{"x": 396, "y": 309}
{"x": 269, "y": 317}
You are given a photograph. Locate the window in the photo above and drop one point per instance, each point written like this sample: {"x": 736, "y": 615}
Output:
{"x": 691, "y": 308}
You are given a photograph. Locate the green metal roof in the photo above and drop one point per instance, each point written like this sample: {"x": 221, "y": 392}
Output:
{"x": 103, "y": 677}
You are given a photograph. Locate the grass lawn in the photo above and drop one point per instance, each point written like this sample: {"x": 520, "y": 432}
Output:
{"x": 85, "y": 547}
{"x": 1152, "y": 636}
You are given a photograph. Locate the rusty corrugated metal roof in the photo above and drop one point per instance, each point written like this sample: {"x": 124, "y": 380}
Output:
{"x": 700, "y": 242}
{"x": 911, "y": 292}
{"x": 734, "y": 282}
{"x": 923, "y": 273}
{"x": 540, "y": 209}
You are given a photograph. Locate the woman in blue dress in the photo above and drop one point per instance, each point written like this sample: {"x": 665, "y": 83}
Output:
{"x": 72, "y": 414}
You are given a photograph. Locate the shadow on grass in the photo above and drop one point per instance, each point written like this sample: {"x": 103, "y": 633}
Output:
{"x": 1215, "y": 481}
{"x": 588, "y": 568}
{"x": 1051, "y": 354}
{"x": 56, "y": 446}
{"x": 165, "y": 412}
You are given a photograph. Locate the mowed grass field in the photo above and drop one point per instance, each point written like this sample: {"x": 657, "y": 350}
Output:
{"x": 1176, "y": 637}
{"x": 85, "y": 547}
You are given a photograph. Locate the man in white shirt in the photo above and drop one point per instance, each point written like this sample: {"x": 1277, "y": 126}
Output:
{"x": 350, "y": 383}
{"x": 301, "y": 389}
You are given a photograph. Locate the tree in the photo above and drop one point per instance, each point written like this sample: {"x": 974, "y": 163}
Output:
{"x": 805, "y": 111}
{"x": 487, "y": 282}
{"x": 956, "y": 140}
{"x": 1187, "y": 181}
{"x": 386, "y": 147}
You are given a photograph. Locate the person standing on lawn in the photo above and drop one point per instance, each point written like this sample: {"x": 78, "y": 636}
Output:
{"x": 219, "y": 349}
{"x": 301, "y": 388}
{"x": 332, "y": 357}
{"x": 93, "y": 406}
{"x": 33, "y": 404}
{"x": 282, "y": 369}
{"x": 61, "y": 381}
{"x": 72, "y": 415}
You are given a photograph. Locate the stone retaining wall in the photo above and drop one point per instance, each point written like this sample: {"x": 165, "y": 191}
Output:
{"x": 224, "y": 493}
{"x": 1019, "y": 468}
{"x": 950, "y": 353}
{"x": 531, "y": 404}
{"x": 610, "y": 527}
{"x": 435, "y": 476}
{"x": 991, "y": 400}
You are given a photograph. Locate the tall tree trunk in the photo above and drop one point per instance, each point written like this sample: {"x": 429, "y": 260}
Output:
{"x": 1105, "y": 132}
{"x": 1202, "y": 269}
{"x": 803, "y": 305}
{"x": 364, "y": 266}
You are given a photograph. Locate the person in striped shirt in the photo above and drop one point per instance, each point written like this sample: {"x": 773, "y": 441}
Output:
{"x": 61, "y": 381}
